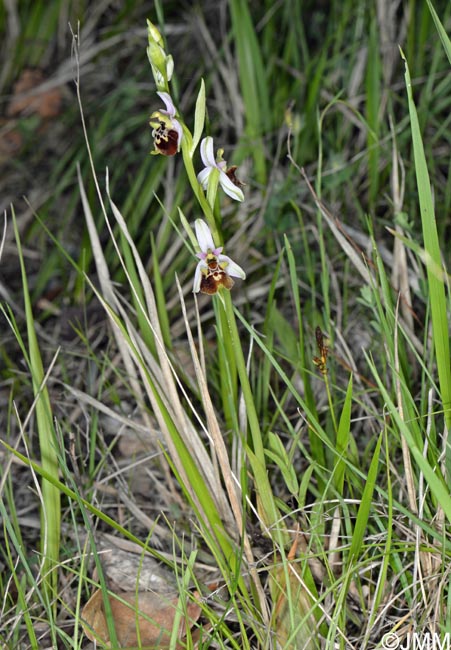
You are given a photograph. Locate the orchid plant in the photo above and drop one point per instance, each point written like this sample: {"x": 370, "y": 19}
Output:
{"x": 215, "y": 270}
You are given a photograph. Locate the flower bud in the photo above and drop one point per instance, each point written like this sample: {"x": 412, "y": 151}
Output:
{"x": 161, "y": 63}
{"x": 157, "y": 58}
{"x": 153, "y": 34}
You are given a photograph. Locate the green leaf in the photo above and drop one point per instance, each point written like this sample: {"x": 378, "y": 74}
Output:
{"x": 199, "y": 118}
{"x": 279, "y": 455}
{"x": 446, "y": 42}
{"x": 189, "y": 231}
{"x": 432, "y": 474}
{"x": 253, "y": 83}
{"x": 365, "y": 505}
{"x": 342, "y": 441}
{"x": 304, "y": 486}
{"x": 436, "y": 286}
{"x": 50, "y": 504}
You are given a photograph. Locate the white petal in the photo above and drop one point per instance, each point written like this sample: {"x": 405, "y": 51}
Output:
{"x": 170, "y": 108}
{"x": 198, "y": 277}
{"x": 178, "y": 127}
{"x": 204, "y": 236}
{"x": 232, "y": 267}
{"x": 203, "y": 175}
{"x": 230, "y": 188}
{"x": 207, "y": 153}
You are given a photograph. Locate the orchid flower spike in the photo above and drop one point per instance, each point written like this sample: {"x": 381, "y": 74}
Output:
{"x": 167, "y": 131}
{"x": 227, "y": 179}
{"x": 214, "y": 270}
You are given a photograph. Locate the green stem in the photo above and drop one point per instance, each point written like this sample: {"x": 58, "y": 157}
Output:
{"x": 198, "y": 193}
{"x": 329, "y": 399}
{"x": 228, "y": 373}
{"x": 271, "y": 515}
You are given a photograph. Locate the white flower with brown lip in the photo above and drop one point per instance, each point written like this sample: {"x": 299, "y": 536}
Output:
{"x": 214, "y": 270}
{"x": 227, "y": 178}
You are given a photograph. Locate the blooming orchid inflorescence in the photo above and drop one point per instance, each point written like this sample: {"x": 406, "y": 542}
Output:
{"x": 214, "y": 270}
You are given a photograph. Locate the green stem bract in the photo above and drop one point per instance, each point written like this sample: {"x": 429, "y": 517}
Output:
{"x": 331, "y": 404}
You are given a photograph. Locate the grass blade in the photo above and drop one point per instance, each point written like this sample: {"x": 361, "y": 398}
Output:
{"x": 199, "y": 118}
{"x": 446, "y": 42}
{"x": 436, "y": 286}
{"x": 252, "y": 81}
{"x": 50, "y": 507}
{"x": 365, "y": 505}
{"x": 342, "y": 441}
{"x": 373, "y": 101}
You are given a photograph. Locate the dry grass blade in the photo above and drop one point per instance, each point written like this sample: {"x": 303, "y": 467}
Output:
{"x": 213, "y": 429}
{"x": 400, "y": 272}
{"x": 405, "y": 448}
{"x": 152, "y": 315}
{"x": 99, "y": 406}
{"x": 427, "y": 563}
{"x": 3, "y": 238}
{"x": 107, "y": 290}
